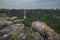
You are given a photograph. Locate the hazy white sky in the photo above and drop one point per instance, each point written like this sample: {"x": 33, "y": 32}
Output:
{"x": 27, "y": 4}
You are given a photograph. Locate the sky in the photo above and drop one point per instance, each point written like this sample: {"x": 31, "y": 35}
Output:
{"x": 29, "y": 4}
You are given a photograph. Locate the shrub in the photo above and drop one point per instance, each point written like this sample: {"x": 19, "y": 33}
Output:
{"x": 2, "y": 25}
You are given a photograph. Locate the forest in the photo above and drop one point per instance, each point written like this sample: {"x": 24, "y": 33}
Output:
{"x": 49, "y": 16}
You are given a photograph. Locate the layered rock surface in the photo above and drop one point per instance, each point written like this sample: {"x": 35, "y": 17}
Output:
{"x": 46, "y": 32}
{"x": 7, "y": 32}
{"x": 17, "y": 31}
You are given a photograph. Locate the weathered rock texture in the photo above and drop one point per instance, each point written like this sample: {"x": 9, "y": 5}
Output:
{"x": 39, "y": 31}
{"x": 44, "y": 30}
{"x": 8, "y": 32}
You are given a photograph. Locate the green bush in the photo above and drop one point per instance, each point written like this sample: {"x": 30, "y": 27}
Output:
{"x": 2, "y": 25}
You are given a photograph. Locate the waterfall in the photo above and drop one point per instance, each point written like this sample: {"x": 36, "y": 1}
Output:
{"x": 24, "y": 14}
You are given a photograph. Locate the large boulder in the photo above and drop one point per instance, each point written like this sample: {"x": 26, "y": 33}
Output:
{"x": 16, "y": 28}
{"x": 18, "y": 21}
{"x": 8, "y": 32}
{"x": 10, "y": 18}
{"x": 4, "y": 20}
{"x": 46, "y": 32}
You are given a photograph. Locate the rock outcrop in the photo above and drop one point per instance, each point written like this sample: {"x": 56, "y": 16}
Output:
{"x": 8, "y": 32}
{"x": 46, "y": 32}
{"x": 17, "y": 31}
{"x": 18, "y": 21}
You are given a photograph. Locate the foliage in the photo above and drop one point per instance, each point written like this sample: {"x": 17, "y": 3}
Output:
{"x": 2, "y": 25}
{"x": 49, "y": 16}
